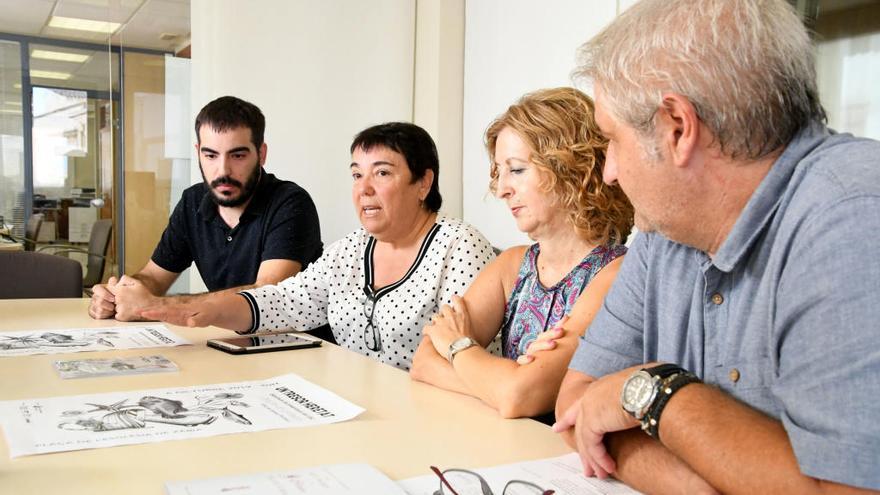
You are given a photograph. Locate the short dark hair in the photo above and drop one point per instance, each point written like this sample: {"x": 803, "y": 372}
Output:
{"x": 228, "y": 112}
{"x": 416, "y": 146}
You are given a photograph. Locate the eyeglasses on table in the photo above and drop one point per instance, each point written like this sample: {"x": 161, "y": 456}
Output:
{"x": 464, "y": 482}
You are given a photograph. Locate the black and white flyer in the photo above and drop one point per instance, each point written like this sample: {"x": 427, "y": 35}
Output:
{"x": 59, "y": 424}
{"x": 25, "y": 343}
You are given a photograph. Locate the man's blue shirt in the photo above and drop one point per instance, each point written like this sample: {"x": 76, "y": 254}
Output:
{"x": 786, "y": 317}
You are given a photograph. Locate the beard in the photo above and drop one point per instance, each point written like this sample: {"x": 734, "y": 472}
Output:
{"x": 246, "y": 190}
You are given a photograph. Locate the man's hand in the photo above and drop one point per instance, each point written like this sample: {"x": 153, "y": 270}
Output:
{"x": 596, "y": 413}
{"x": 103, "y": 303}
{"x": 131, "y": 297}
{"x": 448, "y": 325}
{"x": 546, "y": 341}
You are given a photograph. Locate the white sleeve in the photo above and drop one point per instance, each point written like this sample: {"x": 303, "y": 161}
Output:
{"x": 299, "y": 302}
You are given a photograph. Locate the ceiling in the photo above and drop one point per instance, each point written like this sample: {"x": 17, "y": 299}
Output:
{"x": 153, "y": 24}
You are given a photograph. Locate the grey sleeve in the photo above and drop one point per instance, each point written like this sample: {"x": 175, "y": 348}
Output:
{"x": 828, "y": 344}
{"x": 615, "y": 338}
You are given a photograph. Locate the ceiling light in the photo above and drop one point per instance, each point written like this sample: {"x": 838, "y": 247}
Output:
{"x": 83, "y": 24}
{"x": 13, "y": 112}
{"x": 16, "y": 86}
{"x": 60, "y": 56}
{"x": 12, "y": 103}
{"x": 48, "y": 74}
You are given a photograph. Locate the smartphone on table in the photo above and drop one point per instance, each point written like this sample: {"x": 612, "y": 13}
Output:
{"x": 265, "y": 342}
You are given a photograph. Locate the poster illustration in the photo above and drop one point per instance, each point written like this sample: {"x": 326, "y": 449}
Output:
{"x": 57, "y": 424}
{"x": 87, "y": 339}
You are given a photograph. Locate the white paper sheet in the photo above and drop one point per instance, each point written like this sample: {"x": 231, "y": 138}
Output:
{"x": 563, "y": 474}
{"x": 57, "y": 424}
{"x": 336, "y": 479}
{"x": 25, "y": 343}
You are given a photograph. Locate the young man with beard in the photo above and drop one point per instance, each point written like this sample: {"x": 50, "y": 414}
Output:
{"x": 242, "y": 226}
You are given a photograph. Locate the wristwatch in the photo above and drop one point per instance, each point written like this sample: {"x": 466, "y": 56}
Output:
{"x": 640, "y": 389}
{"x": 459, "y": 345}
{"x": 668, "y": 386}
{"x": 646, "y": 392}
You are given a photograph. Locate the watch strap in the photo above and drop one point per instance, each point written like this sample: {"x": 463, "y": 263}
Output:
{"x": 459, "y": 345}
{"x": 663, "y": 370}
{"x": 668, "y": 387}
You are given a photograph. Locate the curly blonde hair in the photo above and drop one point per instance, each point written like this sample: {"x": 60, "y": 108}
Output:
{"x": 567, "y": 147}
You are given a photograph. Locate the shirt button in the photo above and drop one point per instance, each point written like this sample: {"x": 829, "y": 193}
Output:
{"x": 733, "y": 374}
{"x": 229, "y": 239}
{"x": 717, "y": 298}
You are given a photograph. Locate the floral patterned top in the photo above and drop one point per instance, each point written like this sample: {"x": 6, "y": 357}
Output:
{"x": 533, "y": 308}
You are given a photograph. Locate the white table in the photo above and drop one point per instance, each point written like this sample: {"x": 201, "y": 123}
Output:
{"x": 407, "y": 426}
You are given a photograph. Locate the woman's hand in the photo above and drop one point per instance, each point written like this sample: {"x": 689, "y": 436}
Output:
{"x": 178, "y": 313}
{"x": 546, "y": 341}
{"x": 448, "y": 325}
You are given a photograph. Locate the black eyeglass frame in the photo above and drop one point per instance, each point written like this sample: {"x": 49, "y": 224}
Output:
{"x": 369, "y": 310}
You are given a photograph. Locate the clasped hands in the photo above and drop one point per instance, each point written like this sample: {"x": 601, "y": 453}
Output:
{"x": 128, "y": 299}
{"x": 123, "y": 299}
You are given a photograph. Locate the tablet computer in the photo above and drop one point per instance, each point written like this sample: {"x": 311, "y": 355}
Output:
{"x": 265, "y": 342}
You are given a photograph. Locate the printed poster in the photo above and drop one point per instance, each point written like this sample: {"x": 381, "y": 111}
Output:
{"x": 59, "y": 424}
{"x": 26, "y": 343}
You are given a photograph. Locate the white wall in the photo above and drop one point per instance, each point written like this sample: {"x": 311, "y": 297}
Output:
{"x": 320, "y": 72}
{"x": 439, "y": 84}
{"x": 512, "y": 48}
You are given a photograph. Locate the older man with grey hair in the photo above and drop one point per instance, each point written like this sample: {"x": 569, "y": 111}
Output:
{"x": 742, "y": 336}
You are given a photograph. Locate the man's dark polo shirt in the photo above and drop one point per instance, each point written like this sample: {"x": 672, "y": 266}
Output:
{"x": 280, "y": 222}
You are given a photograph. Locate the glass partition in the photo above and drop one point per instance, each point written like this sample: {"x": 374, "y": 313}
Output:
{"x": 87, "y": 128}
{"x": 848, "y": 65}
{"x": 60, "y": 66}
{"x": 12, "y": 173}
{"x": 156, "y": 149}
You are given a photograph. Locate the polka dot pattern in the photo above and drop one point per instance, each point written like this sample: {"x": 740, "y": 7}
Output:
{"x": 331, "y": 290}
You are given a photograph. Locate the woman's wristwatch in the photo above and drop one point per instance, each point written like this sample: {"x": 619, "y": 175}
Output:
{"x": 646, "y": 393}
{"x": 459, "y": 345}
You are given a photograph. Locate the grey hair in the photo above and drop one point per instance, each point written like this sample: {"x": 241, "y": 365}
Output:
{"x": 745, "y": 65}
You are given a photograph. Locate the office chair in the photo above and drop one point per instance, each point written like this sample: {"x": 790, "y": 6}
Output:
{"x": 32, "y": 275}
{"x": 99, "y": 241}
{"x": 31, "y": 232}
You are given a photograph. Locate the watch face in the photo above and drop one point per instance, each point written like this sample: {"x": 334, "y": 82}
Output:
{"x": 638, "y": 392}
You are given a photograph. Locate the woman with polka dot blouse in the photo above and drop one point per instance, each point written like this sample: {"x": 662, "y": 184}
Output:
{"x": 547, "y": 156}
{"x": 378, "y": 286}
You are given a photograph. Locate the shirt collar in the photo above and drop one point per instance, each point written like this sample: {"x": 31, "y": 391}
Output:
{"x": 208, "y": 208}
{"x": 765, "y": 200}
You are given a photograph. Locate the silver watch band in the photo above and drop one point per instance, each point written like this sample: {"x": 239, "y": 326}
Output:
{"x": 459, "y": 345}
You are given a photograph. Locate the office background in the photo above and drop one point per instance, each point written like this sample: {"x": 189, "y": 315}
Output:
{"x": 322, "y": 71}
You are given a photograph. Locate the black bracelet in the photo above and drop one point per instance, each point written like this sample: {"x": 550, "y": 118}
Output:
{"x": 651, "y": 420}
